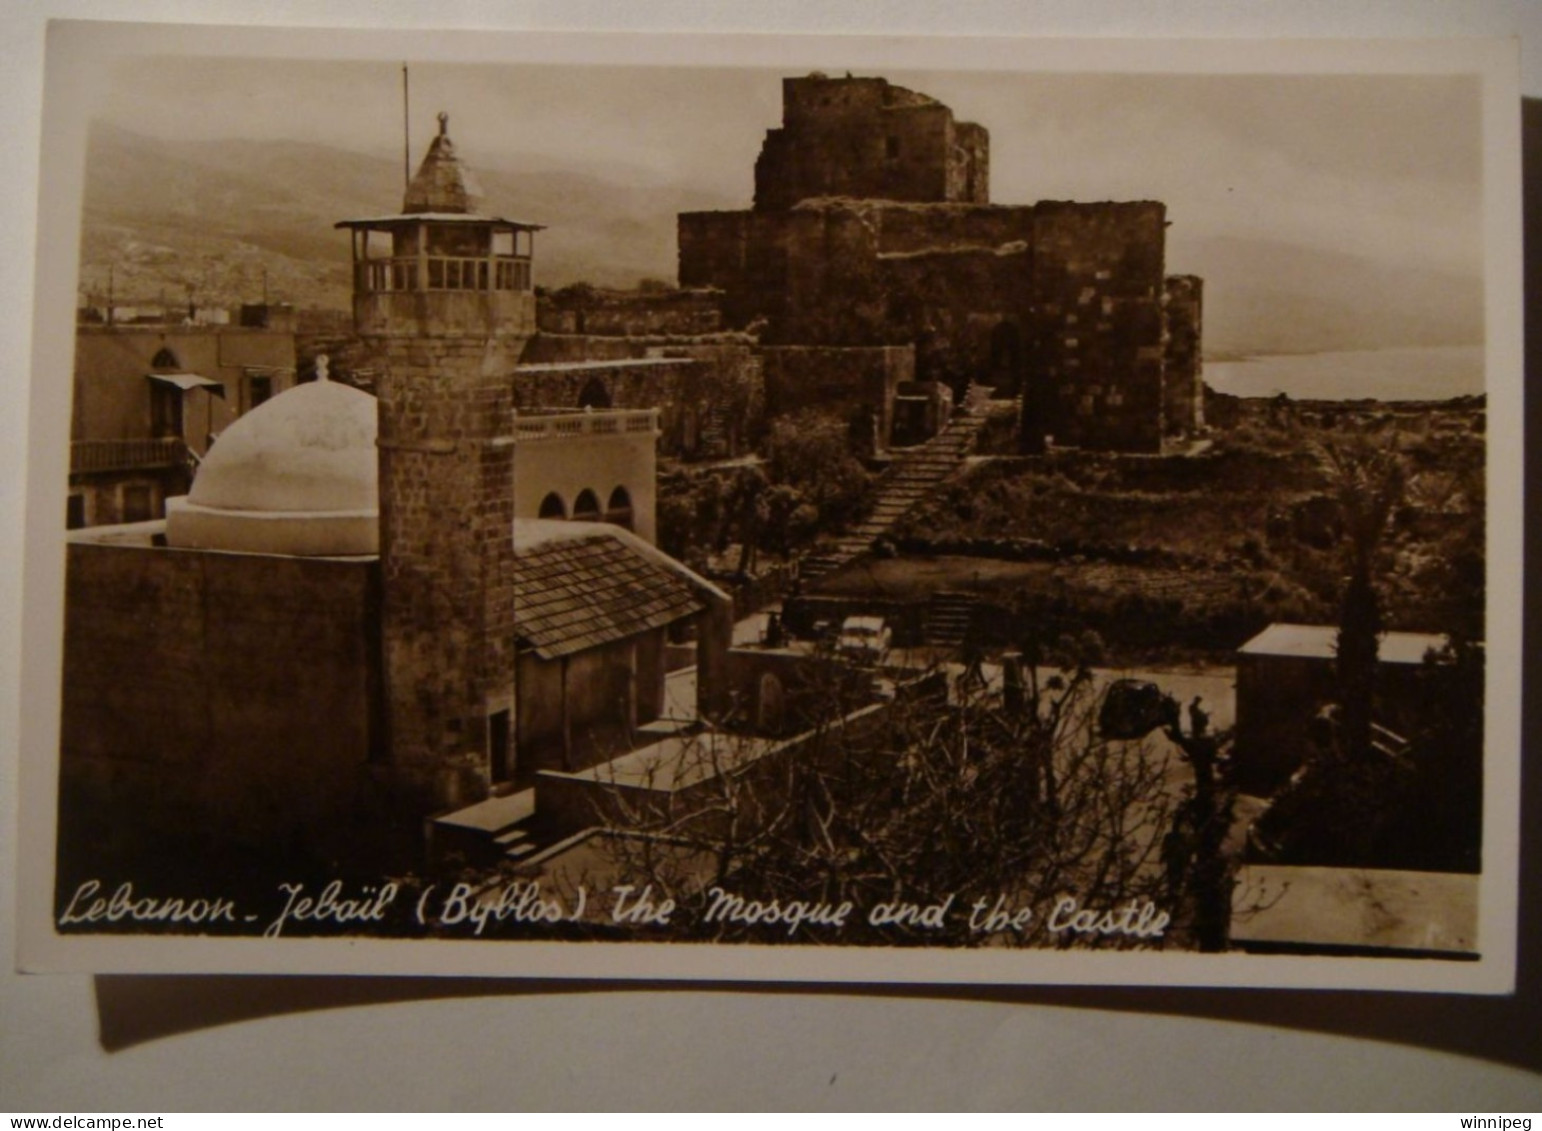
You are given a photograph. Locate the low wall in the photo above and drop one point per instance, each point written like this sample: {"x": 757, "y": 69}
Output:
{"x": 630, "y": 313}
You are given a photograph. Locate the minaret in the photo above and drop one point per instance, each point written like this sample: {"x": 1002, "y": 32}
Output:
{"x": 442, "y": 297}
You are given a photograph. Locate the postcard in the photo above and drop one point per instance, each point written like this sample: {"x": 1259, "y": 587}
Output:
{"x": 775, "y": 509}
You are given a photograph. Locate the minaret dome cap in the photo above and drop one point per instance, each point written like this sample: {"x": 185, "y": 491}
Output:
{"x": 443, "y": 183}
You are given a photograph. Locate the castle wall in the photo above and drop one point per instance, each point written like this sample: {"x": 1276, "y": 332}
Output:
{"x": 637, "y": 383}
{"x": 1097, "y": 356}
{"x": 866, "y": 138}
{"x": 573, "y": 349}
{"x": 629, "y": 313}
{"x": 231, "y": 693}
{"x": 708, "y": 394}
{"x": 871, "y": 227}
{"x": 969, "y": 173}
{"x": 943, "y": 277}
{"x": 1183, "y": 398}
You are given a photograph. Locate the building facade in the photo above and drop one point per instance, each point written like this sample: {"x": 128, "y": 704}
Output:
{"x": 150, "y": 398}
{"x": 328, "y": 638}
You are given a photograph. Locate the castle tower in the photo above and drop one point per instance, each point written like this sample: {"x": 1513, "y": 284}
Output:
{"x": 442, "y": 297}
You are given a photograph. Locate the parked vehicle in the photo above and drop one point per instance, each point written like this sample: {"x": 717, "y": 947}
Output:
{"x": 863, "y": 639}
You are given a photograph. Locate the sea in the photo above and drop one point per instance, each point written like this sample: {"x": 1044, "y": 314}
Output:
{"x": 1396, "y": 374}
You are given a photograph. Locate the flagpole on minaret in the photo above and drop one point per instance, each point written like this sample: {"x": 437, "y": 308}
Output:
{"x": 406, "y": 134}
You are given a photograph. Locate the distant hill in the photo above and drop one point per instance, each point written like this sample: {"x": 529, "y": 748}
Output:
{"x": 214, "y": 215}
{"x": 169, "y": 215}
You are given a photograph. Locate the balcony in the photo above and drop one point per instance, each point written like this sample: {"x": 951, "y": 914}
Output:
{"x": 565, "y": 425}
{"x": 442, "y": 273}
{"x": 88, "y": 456}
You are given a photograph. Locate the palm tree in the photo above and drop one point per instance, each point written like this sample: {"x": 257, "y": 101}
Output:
{"x": 1366, "y": 479}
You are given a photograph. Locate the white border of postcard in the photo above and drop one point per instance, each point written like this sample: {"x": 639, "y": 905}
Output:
{"x": 74, "y": 49}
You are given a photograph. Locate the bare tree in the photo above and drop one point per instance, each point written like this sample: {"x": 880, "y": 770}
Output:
{"x": 962, "y": 805}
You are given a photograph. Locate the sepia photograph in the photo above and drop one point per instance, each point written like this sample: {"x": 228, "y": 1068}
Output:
{"x": 775, "y": 509}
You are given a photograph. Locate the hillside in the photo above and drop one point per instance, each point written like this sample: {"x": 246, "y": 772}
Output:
{"x": 214, "y": 215}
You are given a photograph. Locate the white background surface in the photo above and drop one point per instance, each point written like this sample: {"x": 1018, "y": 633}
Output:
{"x": 494, "y": 1046}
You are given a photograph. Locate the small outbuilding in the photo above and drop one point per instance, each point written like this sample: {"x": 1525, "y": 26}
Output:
{"x": 1287, "y": 674}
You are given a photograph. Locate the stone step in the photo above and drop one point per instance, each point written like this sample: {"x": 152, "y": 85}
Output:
{"x": 907, "y": 481}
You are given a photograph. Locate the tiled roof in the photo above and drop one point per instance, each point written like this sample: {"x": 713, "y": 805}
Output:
{"x": 572, "y": 594}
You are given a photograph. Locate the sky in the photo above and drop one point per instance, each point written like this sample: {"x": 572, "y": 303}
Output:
{"x": 1388, "y": 165}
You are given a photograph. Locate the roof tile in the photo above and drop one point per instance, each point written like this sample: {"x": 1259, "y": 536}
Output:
{"x": 574, "y": 594}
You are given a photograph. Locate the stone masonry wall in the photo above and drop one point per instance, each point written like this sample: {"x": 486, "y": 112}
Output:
{"x": 1183, "y": 398}
{"x": 446, "y": 544}
{"x": 1097, "y": 353}
{"x": 1062, "y": 303}
{"x": 629, "y": 313}
{"x": 219, "y": 698}
{"x": 866, "y": 138}
{"x": 849, "y": 273}
{"x": 709, "y": 394}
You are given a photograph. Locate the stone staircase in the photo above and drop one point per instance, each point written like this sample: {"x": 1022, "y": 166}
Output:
{"x": 948, "y": 616}
{"x": 499, "y": 828}
{"x": 909, "y": 479}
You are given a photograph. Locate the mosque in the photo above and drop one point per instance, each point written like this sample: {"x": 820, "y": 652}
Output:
{"x": 370, "y": 610}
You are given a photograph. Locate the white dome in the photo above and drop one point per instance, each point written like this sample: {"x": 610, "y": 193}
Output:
{"x": 297, "y": 475}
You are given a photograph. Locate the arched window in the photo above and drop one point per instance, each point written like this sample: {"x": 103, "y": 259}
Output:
{"x": 619, "y": 509}
{"x": 587, "y": 507}
{"x": 553, "y": 507}
{"x": 595, "y": 395}
{"x": 165, "y": 359}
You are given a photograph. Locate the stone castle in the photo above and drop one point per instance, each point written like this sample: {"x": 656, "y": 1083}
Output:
{"x": 872, "y": 227}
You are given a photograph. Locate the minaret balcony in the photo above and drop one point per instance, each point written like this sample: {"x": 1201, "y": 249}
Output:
{"x": 442, "y": 273}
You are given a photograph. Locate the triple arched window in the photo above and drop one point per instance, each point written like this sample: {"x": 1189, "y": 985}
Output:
{"x": 586, "y": 508}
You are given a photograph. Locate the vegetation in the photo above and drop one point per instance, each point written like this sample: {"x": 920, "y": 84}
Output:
{"x": 940, "y": 815}
{"x": 808, "y": 483}
{"x": 1226, "y": 542}
{"x": 1368, "y": 796}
